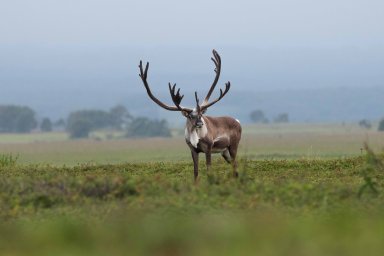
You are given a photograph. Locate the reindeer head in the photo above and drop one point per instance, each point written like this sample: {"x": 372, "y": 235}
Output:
{"x": 193, "y": 115}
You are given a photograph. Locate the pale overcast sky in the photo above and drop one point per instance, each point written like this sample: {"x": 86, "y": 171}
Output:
{"x": 265, "y": 44}
{"x": 63, "y": 55}
{"x": 316, "y": 23}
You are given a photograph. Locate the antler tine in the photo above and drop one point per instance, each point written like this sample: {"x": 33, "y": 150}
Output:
{"x": 177, "y": 97}
{"x": 217, "y": 61}
{"x": 197, "y": 102}
{"x": 143, "y": 74}
{"x": 222, "y": 94}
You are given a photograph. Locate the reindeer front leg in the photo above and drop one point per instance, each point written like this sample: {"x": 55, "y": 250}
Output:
{"x": 195, "y": 157}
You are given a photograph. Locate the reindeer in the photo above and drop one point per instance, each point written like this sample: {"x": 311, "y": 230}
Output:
{"x": 204, "y": 133}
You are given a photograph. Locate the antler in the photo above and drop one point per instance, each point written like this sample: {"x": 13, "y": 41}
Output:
{"x": 176, "y": 98}
{"x": 222, "y": 94}
{"x": 217, "y": 61}
{"x": 197, "y": 102}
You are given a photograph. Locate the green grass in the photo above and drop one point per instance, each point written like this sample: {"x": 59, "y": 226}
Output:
{"x": 275, "y": 207}
{"x": 302, "y": 190}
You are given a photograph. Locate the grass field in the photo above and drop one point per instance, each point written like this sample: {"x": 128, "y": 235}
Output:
{"x": 297, "y": 194}
{"x": 259, "y": 142}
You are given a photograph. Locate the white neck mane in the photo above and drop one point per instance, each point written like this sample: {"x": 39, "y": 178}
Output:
{"x": 193, "y": 135}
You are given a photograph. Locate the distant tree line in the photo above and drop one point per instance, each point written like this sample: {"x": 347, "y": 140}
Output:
{"x": 144, "y": 127}
{"x": 81, "y": 123}
{"x": 22, "y": 119}
{"x": 258, "y": 116}
{"x": 364, "y": 123}
{"x": 381, "y": 125}
{"x": 46, "y": 125}
{"x": 17, "y": 119}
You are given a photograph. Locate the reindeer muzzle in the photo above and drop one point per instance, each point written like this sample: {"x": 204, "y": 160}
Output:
{"x": 199, "y": 124}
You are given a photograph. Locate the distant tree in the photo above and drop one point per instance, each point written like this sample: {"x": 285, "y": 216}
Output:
{"x": 381, "y": 125}
{"x": 365, "y": 124}
{"x": 120, "y": 117}
{"x": 59, "y": 123}
{"x": 18, "y": 119}
{"x": 144, "y": 127}
{"x": 282, "y": 118}
{"x": 79, "y": 128}
{"x": 257, "y": 116}
{"x": 81, "y": 123}
{"x": 46, "y": 125}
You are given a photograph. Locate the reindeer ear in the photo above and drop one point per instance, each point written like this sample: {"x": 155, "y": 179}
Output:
{"x": 203, "y": 111}
{"x": 185, "y": 113}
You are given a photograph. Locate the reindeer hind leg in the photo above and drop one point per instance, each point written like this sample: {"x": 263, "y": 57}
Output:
{"x": 226, "y": 156}
{"x": 233, "y": 153}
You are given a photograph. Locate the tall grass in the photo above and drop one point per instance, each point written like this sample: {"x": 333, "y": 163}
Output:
{"x": 8, "y": 160}
{"x": 372, "y": 172}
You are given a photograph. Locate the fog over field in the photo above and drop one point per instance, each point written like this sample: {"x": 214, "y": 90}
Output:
{"x": 317, "y": 61}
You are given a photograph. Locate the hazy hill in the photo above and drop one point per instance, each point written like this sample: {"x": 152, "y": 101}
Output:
{"x": 311, "y": 85}
{"x": 310, "y": 105}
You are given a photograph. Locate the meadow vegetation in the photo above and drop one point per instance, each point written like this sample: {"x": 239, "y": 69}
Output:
{"x": 291, "y": 202}
{"x": 287, "y": 141}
